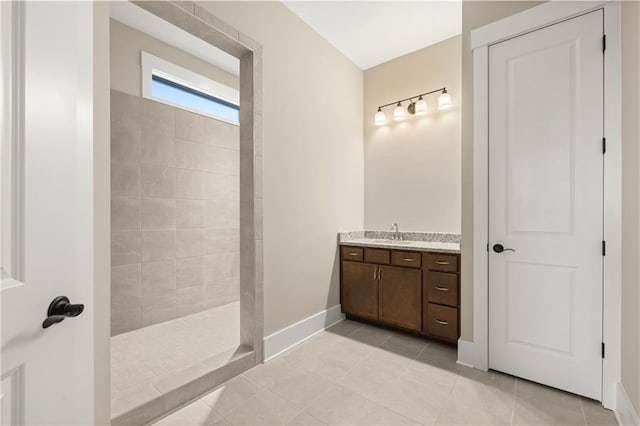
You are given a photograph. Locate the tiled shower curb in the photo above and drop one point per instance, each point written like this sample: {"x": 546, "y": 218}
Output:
{"x": 186, "y": 386}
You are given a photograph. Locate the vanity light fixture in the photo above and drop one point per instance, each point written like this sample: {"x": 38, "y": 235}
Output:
{"x": 418, "y": 107}
{"x": 398, "y": 112}
{"x": 380, "y": 117}
{"x": 444, "y": 100}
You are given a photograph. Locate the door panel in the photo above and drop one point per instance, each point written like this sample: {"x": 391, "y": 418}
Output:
{"x": 360, "y": 289}
{"x": 555, "y": 285}
{"x": 540, "y": 156}
{"x": 545, "y": 202}
{"x": 401, "y": 297}
{"x": 47, "y": 210}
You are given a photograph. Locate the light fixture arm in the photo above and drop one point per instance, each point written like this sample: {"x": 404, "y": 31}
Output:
{"x": 442, "y": 89}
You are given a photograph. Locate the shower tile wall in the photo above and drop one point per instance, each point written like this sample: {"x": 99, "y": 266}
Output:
{"x": 174, "y": 212}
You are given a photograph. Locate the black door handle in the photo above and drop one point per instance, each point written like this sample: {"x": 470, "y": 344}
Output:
{"x": 59, "y": 309}
{"x": 499, "y": 248}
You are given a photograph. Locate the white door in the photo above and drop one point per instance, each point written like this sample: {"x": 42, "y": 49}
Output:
{"x": 47, "y": 237}
{"x": 545, "y": 203}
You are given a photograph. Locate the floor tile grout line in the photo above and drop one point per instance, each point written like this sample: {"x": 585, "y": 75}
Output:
{"x": 584, "y": 416}
{"x": 221, "y": 416}
{"x": 513, "y": 404}
{"x": 358, "y": 363}
{"x": 312, "y": 416}
{"x": 316, "y": 398}
{"x": 381, "y": 405}
{"x": 378, "y": 403}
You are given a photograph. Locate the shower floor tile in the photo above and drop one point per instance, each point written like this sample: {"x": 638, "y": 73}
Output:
{"x": 145, "y": 358}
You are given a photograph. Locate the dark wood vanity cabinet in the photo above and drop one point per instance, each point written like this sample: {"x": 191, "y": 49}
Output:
{"x": 415, "y": 291}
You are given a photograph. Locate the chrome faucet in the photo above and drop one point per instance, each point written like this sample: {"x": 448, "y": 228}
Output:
{"x": 396, "y": 233}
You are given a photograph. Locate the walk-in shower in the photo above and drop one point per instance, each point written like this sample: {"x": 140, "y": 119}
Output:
{"x": 185, "y": 304}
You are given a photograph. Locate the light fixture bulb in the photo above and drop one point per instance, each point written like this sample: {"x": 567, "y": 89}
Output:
{"x": 380, "y": 118}
{"x": 398, "y": 112}
{"x": 420, "y": 107}
{"x": 444, "y": 100}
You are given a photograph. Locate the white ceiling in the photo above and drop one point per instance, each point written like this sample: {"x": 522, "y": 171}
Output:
{"x": 148, "y": 23}
{"x": 372, "y": 32}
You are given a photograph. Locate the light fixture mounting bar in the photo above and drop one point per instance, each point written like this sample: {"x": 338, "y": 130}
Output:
{"x": 416, "y": 96}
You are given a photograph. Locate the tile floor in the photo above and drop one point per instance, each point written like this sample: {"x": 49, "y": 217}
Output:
{"x": 361, "y": 375}
{"x": 144, "y": 357}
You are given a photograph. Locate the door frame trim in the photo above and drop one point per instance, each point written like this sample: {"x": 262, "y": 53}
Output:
{"x": 476, "y": 353}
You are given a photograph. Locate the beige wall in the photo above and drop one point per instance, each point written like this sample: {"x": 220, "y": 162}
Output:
{"x": 475, "y": 14}
{"x": 313, "y": 158}
{"x": 412, "y": 168}
{"x": 126, "y": 44}
{"x": 630, "y": 200}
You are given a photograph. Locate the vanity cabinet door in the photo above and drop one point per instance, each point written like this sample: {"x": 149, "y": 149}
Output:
{"x": 401, "y": 297}
{"x": 360, "y": 289}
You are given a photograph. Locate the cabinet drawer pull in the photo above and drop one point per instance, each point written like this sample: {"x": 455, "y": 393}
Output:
{"x": 406, "y": 259}
{"x": 354, "y": 254}
{"x": 439, "y": 262}
{"x": 442, "y": 322}
{"x": 441, "y": 288}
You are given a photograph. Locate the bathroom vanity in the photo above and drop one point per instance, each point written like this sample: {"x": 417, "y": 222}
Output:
{"x": 408, "y": 284}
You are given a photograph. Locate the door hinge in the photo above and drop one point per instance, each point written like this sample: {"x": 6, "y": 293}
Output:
{"x": 604, "y": 42}
{"x": 604, "y": 248}
{"x": 604, "y": 145}
{"x": 602, "y": 350}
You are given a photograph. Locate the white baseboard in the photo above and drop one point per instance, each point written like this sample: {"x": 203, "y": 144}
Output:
{"x": 466, "y": 353}
{"x": 625, "y": 412}
{"x": 294, "y": 334}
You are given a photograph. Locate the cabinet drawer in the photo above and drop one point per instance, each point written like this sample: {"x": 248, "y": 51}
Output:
{"x": 352, "y": 253}
{"x": 442, "y": 322}
{"x": 442, "y": 288}
{"x": 381, "y": 256}
{"x": 406, "y": 258}
{"x": 441, "y": 262}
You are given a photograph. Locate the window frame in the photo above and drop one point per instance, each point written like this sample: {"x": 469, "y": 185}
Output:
{"x": 152, "y": 65}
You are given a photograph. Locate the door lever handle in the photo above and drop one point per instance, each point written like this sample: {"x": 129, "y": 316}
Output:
{"x": 59, "y": 309}
{"x": 499, "y": 248}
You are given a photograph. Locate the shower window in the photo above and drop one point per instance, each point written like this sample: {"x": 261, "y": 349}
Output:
{"x": 171, "y": 84}
{"x": 178, "y": 94}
